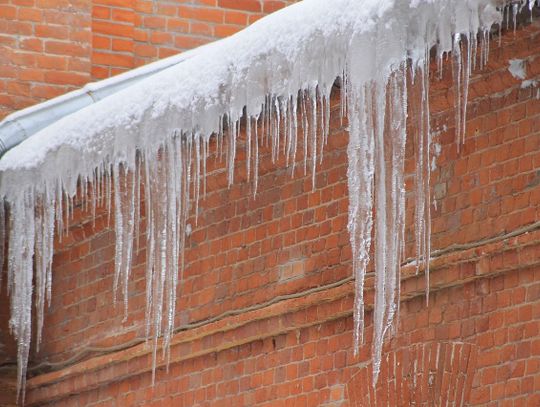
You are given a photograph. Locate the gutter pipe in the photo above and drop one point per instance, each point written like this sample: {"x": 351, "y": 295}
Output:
{"x": 19, "y": 126}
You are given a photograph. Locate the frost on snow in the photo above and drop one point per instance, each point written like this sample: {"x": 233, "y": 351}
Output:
{"x": 279, "y": 73}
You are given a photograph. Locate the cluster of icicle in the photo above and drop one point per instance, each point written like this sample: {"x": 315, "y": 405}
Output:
{"x": 277, "y": 88}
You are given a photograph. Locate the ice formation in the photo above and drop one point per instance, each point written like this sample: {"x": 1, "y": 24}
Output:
{"x": 278, "y": 73}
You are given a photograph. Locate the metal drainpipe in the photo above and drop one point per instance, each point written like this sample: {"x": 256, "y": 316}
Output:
{"x": 21, "y": 125}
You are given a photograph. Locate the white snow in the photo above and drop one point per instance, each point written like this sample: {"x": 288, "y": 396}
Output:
{"x": 530, "y": 83}
{"x": 517, "y": 68}
{"x": 281, "y": 70}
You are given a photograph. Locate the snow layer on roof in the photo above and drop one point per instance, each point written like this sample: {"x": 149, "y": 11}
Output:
{"x": 280, "y": 70}
{"x": 302, "y": 45}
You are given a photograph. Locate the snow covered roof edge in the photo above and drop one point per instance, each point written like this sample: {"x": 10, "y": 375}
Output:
{"x": 306, "y": 44}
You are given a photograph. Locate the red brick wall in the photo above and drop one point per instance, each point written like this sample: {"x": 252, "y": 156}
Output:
{"x": 266, "y": 302}
{"x": 129, "y": 33}
{"x": 49, "y": 47}
{"x": 44, "y": 50}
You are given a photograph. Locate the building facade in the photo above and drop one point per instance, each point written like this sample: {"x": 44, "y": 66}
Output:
{"x": 264, "y": 311}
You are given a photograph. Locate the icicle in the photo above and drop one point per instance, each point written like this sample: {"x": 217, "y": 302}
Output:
{"x": 294, "y": 143}
{"x": 462, "y": 74}
{"x": 343, "y": 94}
{"x": 305, "y": 128}
{"x": 231, "y": 152}
{"x": 285, "y": 119}
{"x": 276, "y": 130}
{"x": 149, "y": 166}
{"x": 256, "y": 158}
{"x": 44, "y": 239}
{"x": 321, "y": 126}
{"x": 248, "y": 148}
{"x": 313, "y": 135}
{"x": 58, "y": 210}
{"x": 422, "y": 216}
{"x": 327, "y": 119}
{"x": 399, "y": 136}
{"x": 197, "y": 178}
{"x": 119, "y": 231}
{"x": 515, "y": 11}
{"x": 2, "y": 238}
{"x": 458, "y": 77}
{"x": 137, "y": 218}
{"x": 381, "y": 227}
{"x": 290, "y": 132}
{"x": 171, "y": 279}
{"x": 205, "y": 158}
{"x": 219, "y": 142}
{"x": 20, "y": 272}
{"x": 360, "y": 177}
{"x": 108, "y": 192}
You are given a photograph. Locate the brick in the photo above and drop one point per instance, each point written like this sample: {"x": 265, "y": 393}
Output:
{"x": 247, "y": 5}
{"x": 117, "y": 30}
{"x": 17, "y": 88}
{"x": 145, "y": 50}
{"x": 28, "y": 3}
{"x": 65, "y": 78}
{"x": 31, "y": 44}
{"x": 99, "y": 42}
{"x": 46, "y": 91}
{"x": 161, "y": 38}
{"x": 201, "y": 14}
{"x": 18, "y": 28}
{"x": 126, "y": 16}
{"x": 188, "y": 42}
{"x": 101, "y": 13}
{"x": 8, "y": 12}
{"x": 236, "y": 18}
{"x": 226, "y": 30}
{"x": 31, "y": 75}
{"x": 25, "y": 59}
{"x": 143, "y": 6}
{"x": 177, "y": 25}
{"x": 62, "y": 48}
{"x": 122, "y": 45}
{"x": 107, "y": 59}
{"x": 272, "y": 6}
{"x": 201, "y": 29}
{"x": 167, "y": 52}
{"x": 52, "y": 62}
{"x": 100, "y": 72}
{"x": 155, "y": 22}
{"x": 29, "y": 14}
{"x": 51, "y": 31}
{"x": 6, "y": 40}
{"x": 117, "y": 3}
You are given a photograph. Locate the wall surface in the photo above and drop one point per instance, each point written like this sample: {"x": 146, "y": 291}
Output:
{"x": 265, "y": 308}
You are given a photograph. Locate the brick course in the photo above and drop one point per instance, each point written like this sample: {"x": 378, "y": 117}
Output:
{"x": 265, "y": 308}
